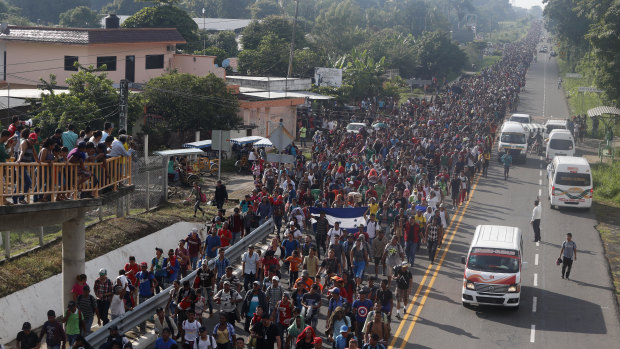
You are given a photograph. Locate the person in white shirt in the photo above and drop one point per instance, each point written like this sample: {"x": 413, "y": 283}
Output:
{"x": 371, "y": 226}
{"x": 117, "y": 306}
{"x": 249, "y": 262}
{"x": 334, "y": 232}
{"x": 535, "y": 221}
{"x": 117, "y": 146}
{"x": 190, "y": 328}
{"x": 228, "y": 299}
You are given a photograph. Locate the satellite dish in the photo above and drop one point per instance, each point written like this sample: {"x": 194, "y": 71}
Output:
{"x": 226, "y": 63}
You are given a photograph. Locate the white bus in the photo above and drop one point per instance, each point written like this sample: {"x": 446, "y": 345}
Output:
{"x": 570, "y": 182}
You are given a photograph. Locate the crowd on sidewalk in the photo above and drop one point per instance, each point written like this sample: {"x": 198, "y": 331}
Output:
{"x": 20, "y": 144}
{"x": 408, "y": 174}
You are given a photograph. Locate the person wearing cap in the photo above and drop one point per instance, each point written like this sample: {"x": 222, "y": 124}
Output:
{"x": 27, "y": 339}
{"x": 253, "y": 299}
{"x": 334, "y": 232}
{"x": 342, "y": 340}
{"x": 361, "y": 307}
{"x": 371, "y": 224}
{"x": 393, "y": 255}
{"x": 164, "y": 342}
{"x": 359, "y": 258}
{"x": 373, "y": 342}
{"x": 228, "y": 298}
{"x": 204, "y": 340}
{"x": 231, "y": 278}
{"x": 104, "y": 289}
{"x": 274, "y": 293}
{"x": 311, "y": 303}
{"x": 403, "y": 278}
{"x": 56, "y": 337}
{"x": 204, "y": 282}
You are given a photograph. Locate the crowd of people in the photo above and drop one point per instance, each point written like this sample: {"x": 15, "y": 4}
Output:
{"x": 21, "y": 144}
{"x": 408, "y": 173}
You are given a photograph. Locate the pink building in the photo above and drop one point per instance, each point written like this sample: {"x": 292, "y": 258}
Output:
{"x": 28, "y": 54}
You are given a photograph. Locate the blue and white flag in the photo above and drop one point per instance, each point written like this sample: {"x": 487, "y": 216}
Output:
{"x": 349, "y": 218}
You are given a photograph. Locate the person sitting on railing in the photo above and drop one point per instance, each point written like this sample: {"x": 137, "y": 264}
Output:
{"x": 26, "y": 155}
{"x": 78, "y": 156}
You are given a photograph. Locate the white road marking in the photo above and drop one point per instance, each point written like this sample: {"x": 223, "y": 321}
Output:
{"x": 536, "y": 259}
{"x": 534, "y": 301}
{"x": 540, "y": 166}
{"x": 539, "y": 192}
{"x": 544, "y": 87}
{"x": 540, "y": 158}
{"x": 537, "y": 243}
{"x": 533, "y": 334}
{"x": 535, "y": 279}
{"x": 540, "y": 173}
{"x": 540, "y": 182}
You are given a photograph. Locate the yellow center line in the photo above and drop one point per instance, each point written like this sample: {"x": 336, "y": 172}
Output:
{"x": 418, "y": 291}
{"x": 434, "y": 277}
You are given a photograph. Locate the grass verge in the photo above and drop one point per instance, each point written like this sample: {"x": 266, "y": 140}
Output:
{"x": 101, "y": 238}
{"x": 606, "y": 177}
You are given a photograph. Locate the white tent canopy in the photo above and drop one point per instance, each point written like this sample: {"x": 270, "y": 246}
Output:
{"x": 246, "y": 140}
{"x": 199, "y": 144}
{"x": 598, "y": 111}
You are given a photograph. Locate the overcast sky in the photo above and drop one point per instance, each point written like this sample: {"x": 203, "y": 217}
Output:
{"x": 528, "y": 3}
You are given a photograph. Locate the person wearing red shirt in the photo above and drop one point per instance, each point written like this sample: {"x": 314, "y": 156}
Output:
{"x": 411, "y": 231}
{"x": 131, "y": 269}
{"x": 225, "y": 235}
{"x": 270, "y": 262}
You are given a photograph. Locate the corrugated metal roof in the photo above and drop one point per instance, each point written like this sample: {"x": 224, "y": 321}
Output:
{"x": 92, "y": 36}
{"x": 598, "y": 111}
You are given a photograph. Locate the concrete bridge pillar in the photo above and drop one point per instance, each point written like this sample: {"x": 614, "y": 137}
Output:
{"x": 73, "y": 253}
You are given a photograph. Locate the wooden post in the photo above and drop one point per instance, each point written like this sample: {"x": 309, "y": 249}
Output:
{"x": 148, "y": 179}
{"x": 7, "y": 244}
{"x": 41, "y": 231}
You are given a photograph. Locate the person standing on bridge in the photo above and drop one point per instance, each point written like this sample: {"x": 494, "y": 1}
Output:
{"x": 568, "y": 253}
{"x": 535, "y": 222}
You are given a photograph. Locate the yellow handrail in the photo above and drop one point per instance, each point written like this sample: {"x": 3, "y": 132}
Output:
{"x": 48, "y": 181}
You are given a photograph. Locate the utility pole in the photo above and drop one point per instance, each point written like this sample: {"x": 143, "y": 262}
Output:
{"x": 290, "y": 57}
{"x": 123, "y": 107}
{"x": 204, "y": 31}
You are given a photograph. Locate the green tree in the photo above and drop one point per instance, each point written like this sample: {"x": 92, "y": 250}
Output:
{"x": 11, "y": 14}
{"x": 213, "y": 51}
{"x": 438, "y": 56}
{"x": 125, "y": 6}
{"x": 604, "y": 37}
{"x": 46, "y": 12}
{"x": 339, "y": 28}
{"x": 91, "y": 101}
{"x": 397, "y": 48}
{"x": 570, "y": 25}
{"x": 264, "y": 8}
{"x": 269, "y": 58}
{"x": 304, "y": 62}
{"x": 79, "y": 17}
{"x": 361, "y": 75}
{"x": 189, "y": 102}
{"x": 221, "y": 8}
{"x": 166, "y": 16}
{"x": 280, "y": 26}
{"x": 226, "y": 40}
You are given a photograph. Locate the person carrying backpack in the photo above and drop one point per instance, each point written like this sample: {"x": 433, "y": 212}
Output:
{"x": 200, "y": 198}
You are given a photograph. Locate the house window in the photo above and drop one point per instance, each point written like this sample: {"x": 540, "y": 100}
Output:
{"x": 154, "y": 61}
{"x": 109, "y": 61}
{"x": 69, "y": 61}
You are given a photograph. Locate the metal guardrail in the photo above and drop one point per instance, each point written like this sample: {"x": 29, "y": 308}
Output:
{"x": 146, "y": 310}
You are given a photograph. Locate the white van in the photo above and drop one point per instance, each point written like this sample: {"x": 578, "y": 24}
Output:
{"x": 521, "y": 118}
{"x": 570, "y": 182}
{"x": 560, "y": 143}
{"x": 513, "y": 139}
{"x": 493, "y": 267}
{"x": 554, "y": 124}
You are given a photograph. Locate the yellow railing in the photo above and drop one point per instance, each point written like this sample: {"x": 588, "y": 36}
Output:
{"x": 52, "y": 182}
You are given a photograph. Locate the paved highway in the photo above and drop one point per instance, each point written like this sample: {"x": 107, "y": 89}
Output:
{"x": 554, "y": 313}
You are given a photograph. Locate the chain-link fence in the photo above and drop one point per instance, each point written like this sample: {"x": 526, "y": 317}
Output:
{"x": 148, "y": 181}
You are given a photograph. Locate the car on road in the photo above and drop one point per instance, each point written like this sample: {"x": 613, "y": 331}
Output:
{"x": 513, "y": 139}
{"x": 553, "y": 53}
{"x": 355, "y": 127}
{"x": 570, "y": 182}
{"x": 544, "y": 49}
{"x": 521, "y": 118}
{"x": 560, "y": 143}
{"x": 493, "y": 267}
{"x": 555, "y": 124}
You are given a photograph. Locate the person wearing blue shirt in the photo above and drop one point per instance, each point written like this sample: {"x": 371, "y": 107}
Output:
{"x": 290, "y": 245}
{"x": 212, "y": 243}
{"x": 342, "y": 340}
{"x": 146, "y": 282}
{"x": 164, "y": 342}
{"x": 361, "y": 307}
